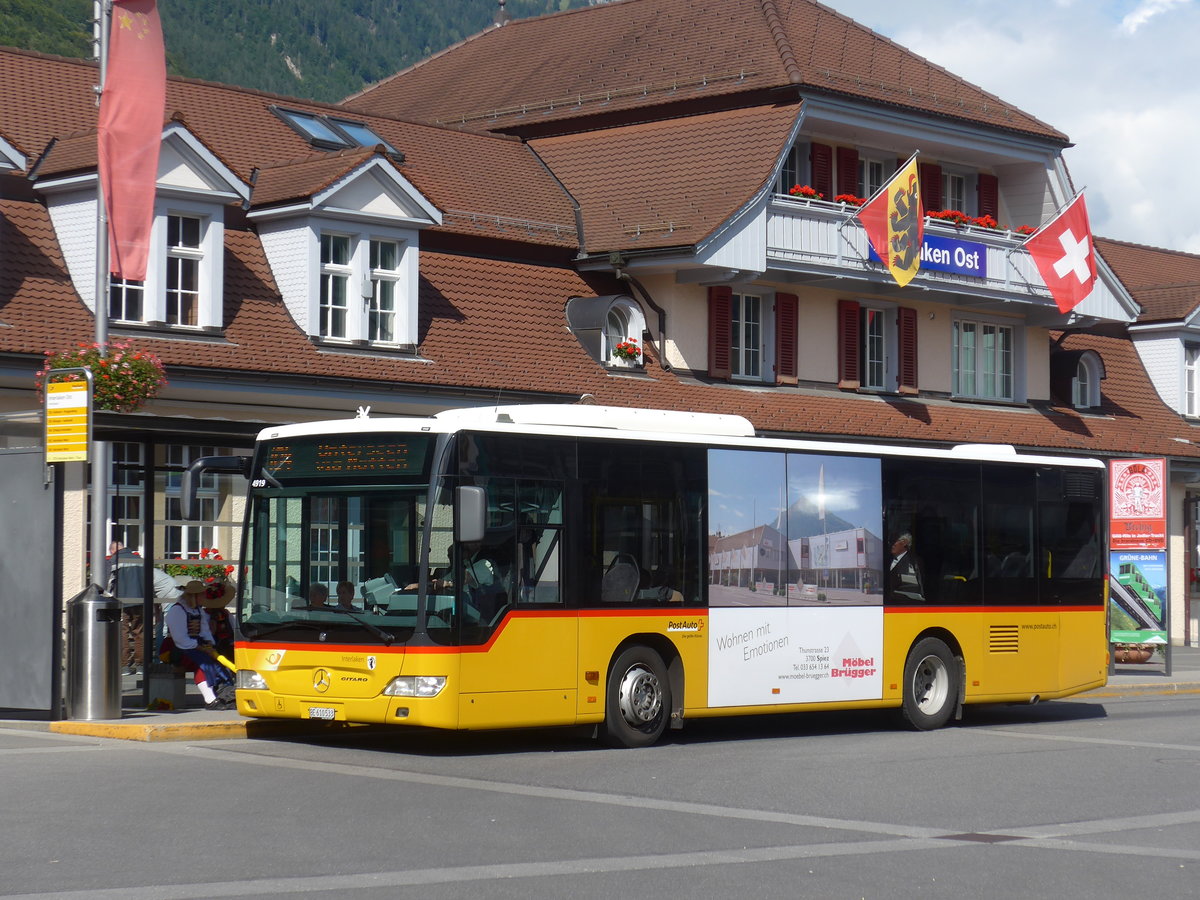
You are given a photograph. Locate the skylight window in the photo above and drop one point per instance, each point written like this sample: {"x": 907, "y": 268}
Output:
{"x": 329, "y": 133}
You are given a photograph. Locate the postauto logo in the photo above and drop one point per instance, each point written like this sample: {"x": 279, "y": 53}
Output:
{"x": 685, "y": 625}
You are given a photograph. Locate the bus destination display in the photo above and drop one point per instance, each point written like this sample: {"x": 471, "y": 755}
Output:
{"x": 346, "y": 457}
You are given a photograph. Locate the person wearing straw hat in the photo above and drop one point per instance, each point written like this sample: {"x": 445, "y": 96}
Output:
{"x": 189, "y": 643}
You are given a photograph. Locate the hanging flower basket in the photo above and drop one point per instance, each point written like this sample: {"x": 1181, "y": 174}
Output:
{"x": 123, "y": 379}
{"x": 209, "y": 567}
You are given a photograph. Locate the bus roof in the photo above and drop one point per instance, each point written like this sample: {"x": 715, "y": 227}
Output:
{"x": 649, "y": 424}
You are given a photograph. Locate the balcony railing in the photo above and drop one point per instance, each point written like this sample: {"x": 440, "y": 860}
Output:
{"x": 816, "y": 236}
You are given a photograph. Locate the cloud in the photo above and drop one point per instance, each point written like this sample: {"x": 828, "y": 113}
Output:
{"x": 1147, "y": 10}
{"x": 1114, "y": 76}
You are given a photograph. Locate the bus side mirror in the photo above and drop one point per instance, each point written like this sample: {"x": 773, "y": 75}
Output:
{"x": 232, "y": 465}
{"x": 471, "y": 505}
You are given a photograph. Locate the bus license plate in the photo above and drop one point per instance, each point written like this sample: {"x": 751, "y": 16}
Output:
{"x": 322, "y": 712}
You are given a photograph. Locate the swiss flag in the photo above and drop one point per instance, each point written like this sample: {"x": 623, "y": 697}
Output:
{"x": 132, "y": 109}
{"x": 1063, "y": 253}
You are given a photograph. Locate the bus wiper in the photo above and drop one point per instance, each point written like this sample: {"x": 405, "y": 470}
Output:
{"x": 263, "y": 630}
{"x": 378, "y": 632}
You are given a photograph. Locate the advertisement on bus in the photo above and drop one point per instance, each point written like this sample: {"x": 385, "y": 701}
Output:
{"x": 796, "y": 564}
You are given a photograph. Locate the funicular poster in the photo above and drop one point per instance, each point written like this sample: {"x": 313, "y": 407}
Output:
{"x": 1138, "y": 561}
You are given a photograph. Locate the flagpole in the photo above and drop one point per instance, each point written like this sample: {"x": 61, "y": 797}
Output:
{"x": 100, "y": 463}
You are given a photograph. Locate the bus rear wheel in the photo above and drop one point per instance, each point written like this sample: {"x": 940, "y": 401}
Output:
{"x": 638, "y": 699}
{"x": 931, "y": 684}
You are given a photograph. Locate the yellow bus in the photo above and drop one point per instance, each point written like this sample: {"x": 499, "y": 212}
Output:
{"x": 632, "y": 569}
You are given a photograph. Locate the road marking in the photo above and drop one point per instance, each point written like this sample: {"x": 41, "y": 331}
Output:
{"x": 377, "y": 880}
{"x": 550, "y": 793}
{"x": 1111, "y": 742}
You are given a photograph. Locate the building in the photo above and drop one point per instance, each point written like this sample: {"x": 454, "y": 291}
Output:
{"x": 612, "y": 173}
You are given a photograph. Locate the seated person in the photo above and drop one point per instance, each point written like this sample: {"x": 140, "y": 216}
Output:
{"x": 189, "y": 644}
{"x": 345, "y": 596}
{"x": 318, "y": 597}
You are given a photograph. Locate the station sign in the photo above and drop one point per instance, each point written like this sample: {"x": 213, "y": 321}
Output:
{"x": 68, "y": 418}
{"x": 944, "y": 254}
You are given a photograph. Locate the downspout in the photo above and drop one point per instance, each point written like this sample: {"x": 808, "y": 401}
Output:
{"x": 617, "y": 263}
{"x": 660, "y": 348}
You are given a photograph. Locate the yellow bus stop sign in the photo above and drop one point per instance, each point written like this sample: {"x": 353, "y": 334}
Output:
{"x": 68, "y": 421}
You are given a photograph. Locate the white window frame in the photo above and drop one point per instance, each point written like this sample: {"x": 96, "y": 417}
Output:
{"x": 334, "y": 272}
{"x": 976, "y": 388}
{"x": 209, "y": 256}
{"x": 969, "y": 202}
{"x": 632, "y": 322}
{"x": 885, "y": 318}
{"x": 795, "y": 169}
{"x": 765, "y": 349}
{"x": 185, "y": 540}
{"x": 870, "y": 182}
{"x": 1085, "y": 384}
{"x": 1191, "y": 379}
{"x": 183, "y": 258}
{"x": 362, "y": 283}
{"x": 383, "y": 280}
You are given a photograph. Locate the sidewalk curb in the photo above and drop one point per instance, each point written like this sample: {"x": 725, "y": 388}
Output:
{"x": 1143, "y": 689}
{"x": 222, "y": 730}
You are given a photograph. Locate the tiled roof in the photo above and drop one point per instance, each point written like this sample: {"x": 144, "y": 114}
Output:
{"x": 39, "y": 308}
{"x": 641, "y": 53}
{"x": 1166, "y": 283}
{"x": 305, "y": 177}
{"x": 490, "y": 182}
{"x": 668, "y": 183}
{"x": 498, "y": 325}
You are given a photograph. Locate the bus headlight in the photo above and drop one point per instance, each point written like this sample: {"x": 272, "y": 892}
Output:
{"x": 249, "y": 680}
{"x": 415, "y": 686}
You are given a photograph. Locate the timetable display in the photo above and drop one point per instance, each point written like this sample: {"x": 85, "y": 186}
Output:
{"x": 350, "y": 457}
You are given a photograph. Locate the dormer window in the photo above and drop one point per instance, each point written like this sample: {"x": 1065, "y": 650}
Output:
{"x": 624, "y": 322}
{"x": 332, "y": 132}
{"x": 183, "y": 279}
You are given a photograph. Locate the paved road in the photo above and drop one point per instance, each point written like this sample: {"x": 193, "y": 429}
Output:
{"x": 1071, "y": 799}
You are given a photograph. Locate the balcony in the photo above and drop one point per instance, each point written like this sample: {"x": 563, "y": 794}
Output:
{"x": 809, "y": 241}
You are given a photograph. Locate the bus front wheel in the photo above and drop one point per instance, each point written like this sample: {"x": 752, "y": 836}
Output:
{"x": 638, "y": 699}
{"x": 931, "y": 688}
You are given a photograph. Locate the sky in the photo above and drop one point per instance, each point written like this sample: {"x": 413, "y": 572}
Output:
{"x": 1118, "y": 77}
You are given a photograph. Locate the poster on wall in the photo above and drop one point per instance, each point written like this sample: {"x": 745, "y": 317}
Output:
{"x": 1137, "y": 504}
{"x": 1137, "y": 596}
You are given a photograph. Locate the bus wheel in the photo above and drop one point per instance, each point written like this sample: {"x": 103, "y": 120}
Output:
{"x": 930, "y": 685}
{"x": 638, "y": 699}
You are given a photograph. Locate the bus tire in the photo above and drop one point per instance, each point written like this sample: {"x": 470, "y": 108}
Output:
{"x": 931, "y": 688}
{"x": 637, "y": 703}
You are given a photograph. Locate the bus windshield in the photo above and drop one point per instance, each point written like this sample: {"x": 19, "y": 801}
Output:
{"x": 343, "y": 562}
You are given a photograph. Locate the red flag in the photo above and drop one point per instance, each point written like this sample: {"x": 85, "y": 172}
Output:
{"x": 132, "y": 109}
{"x": 894, "y": 221}
{"x": 1063, "y": 253}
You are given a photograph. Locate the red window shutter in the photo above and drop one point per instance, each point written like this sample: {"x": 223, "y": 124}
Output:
{"x": 821, "y": 159}
{"x": 906, "y": 337}
{"x": 847, "y": 171}
{"x": 931, "y": 185}
{"x": 720, "y": 327}
{"x": 849, "y": 340}
{"x": 989, "y": 195}
{"x": 787, "y": 321}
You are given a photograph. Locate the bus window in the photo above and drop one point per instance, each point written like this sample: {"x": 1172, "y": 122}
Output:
{"x": 1009, "y": 508}
{"x": 936, "y": 506}
{"x": 1070, "y": 558}
{"x": 641, "y": 514}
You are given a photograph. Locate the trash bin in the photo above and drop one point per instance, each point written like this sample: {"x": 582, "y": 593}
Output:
{"x": 93, "y": 655}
